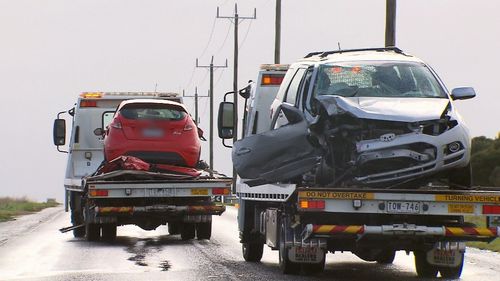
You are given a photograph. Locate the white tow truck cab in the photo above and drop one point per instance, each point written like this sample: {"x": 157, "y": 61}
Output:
{"x": 305, "y": 222}
{"x": 100, "y": 203}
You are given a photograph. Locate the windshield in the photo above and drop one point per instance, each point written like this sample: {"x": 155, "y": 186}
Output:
{"x": 139, "y": 111}
{"x": 377, "y": 79}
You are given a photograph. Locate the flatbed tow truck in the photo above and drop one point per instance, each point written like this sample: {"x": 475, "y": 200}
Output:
{"x": 304, "y": 223}
{"x": 99, "y": 202}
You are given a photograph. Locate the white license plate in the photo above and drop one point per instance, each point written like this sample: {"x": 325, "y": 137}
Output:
{"x": 305, "y": 254}
{"x": 160, "y": 192}
{"x": 403, "y": 207}
{"x": 152, "y": 133}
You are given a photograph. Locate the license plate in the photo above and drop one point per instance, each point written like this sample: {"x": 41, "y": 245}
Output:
{"x": 160, "y": 192}
{"x": 403, "y": 207}
{"x": 305, "y": 254}
{"x": 450, "y": 258}
{"x": 199, "y": 191}
{"x": 152, "y": 133}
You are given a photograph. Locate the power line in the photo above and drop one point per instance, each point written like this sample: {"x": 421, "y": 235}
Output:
{"x": 209, "y": 38}
{"x": 225, "y": 40}
{"x": 245, "y": 36}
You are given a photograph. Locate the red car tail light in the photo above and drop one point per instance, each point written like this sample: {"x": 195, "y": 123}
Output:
{"x": 116, "y": 124}
{"x": 98, "y": 192}
{"x": 220, "y": 191}
{"x": 312, "y": 204}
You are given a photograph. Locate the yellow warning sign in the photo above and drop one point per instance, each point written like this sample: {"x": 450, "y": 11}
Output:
{"x": 484, "y": 198}
{"x": 461, "y": 208}
{"x": 318, "y": 194}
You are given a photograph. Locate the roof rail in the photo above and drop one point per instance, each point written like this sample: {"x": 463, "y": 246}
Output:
{"x": 384, "y": 49}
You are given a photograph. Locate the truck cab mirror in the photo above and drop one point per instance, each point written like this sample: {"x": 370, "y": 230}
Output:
{"x": 225, "y": 120}
{"x": 292, "y": 114}
{"x": 245, "y": 92}
{"x": 99, "y": 132}
{"x": 463, "y": 93}
{"x": 59, "y": 132}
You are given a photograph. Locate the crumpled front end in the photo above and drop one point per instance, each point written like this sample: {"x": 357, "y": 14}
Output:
{"x": 363, "y": 150}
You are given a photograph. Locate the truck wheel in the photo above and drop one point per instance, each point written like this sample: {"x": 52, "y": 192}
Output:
{"x": 109, "y": 232}
{"x": 252, "y": 252}
{"x": 204, "y": 230}
{"x": 174, "y": 228}
{"x": 314, "y": 268}
{"x": 386, "y": 257}
{"x": 423, "y": 267}
{"x": 452, "y": 272}
{"x": 92, "y": 231}
{"x": 188, "y": 231}
{"x": 76, "y": 214}
{"x": 286, "y": 266}
{"x": 460, "y": 178}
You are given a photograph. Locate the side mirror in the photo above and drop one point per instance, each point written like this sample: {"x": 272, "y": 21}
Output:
{"x": 463, "y": 93}
{"x": 292, "y": 114}
{"x": 59, "y": 132}
{"x": 200, "y": 134}
{"x": 225, "y": 120}
{"x": 99, "y": 132}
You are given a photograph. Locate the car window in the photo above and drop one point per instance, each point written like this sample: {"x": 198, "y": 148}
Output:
{"x": 152, "y": 112}
{"x": 291, "y": 93}
{"x": 377, "y": 79}
{"x": 286, "y": 82}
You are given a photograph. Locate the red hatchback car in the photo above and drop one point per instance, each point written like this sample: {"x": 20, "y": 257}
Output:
{"x": 156, "y": 131}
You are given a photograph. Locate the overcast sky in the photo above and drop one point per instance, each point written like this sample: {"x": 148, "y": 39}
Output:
{"x": 51, "y": 50}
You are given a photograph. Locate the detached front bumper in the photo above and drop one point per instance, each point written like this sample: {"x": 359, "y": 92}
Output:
{"x": 424, "y": 163}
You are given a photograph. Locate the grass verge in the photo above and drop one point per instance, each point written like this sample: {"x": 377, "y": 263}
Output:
{"x": 11, "y": 207}
{"x": 480, "y": 221}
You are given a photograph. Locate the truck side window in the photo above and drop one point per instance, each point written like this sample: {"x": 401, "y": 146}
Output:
{"x": 304, "y": 87}
{"x": 286, "y": 82}
{"x": 291, "y": 93}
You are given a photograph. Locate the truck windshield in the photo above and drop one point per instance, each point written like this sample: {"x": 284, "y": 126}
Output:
{"x": 377, "y": 79}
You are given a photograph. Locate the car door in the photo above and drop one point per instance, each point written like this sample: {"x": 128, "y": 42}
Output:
{"x": 281, "y": 154}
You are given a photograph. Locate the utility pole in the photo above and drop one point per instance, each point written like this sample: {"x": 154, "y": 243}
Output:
{"x": 196, "y": 96}
{"x": 390, "y": 23}
{"x": 211, "y": 94}
{"x": 235, "y": 19}
{"x": 277, "y": 33}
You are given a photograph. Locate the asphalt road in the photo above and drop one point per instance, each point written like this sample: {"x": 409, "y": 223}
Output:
{"x": 31, "y": 248}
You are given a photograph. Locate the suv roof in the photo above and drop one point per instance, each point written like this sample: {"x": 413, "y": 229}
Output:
{"x": 368, "y": 54}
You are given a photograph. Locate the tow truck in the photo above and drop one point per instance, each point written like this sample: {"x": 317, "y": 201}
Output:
{"x": 101, "y": 202}
{"x": 305, "y": 222}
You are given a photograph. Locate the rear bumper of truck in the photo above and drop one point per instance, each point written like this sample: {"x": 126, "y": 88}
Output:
{"x": 459, "y": 233}
{"x": 159, "y": 210}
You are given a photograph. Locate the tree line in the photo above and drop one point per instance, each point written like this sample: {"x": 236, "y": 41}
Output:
{"x": 485, "y": 161}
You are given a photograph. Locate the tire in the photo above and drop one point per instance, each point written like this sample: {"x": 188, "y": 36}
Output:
{"x": 109, "y": 232}
{"x": 386, "y": 257}
{"x": 252, "y": 252}
{"x": 174, "y": 228}
{"x": 423, "y": 267}
{"x": 204, "y": 230}
{"x": 188, "y": 231}
{"x": 92, "y": 231}
{"x": 460, "y": 178}
{"x": 286, "y": 266}
{"x": 76, "y": 214}
{"x": 314, "y": 268}
{"x": 452, "y": 272}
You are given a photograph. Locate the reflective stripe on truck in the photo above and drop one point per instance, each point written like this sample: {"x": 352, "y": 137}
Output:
{"x": 400, "y": 229}
{"x": 189, "y": 210}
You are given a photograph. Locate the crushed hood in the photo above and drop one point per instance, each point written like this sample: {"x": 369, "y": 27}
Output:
{"x": 389, "y": 109}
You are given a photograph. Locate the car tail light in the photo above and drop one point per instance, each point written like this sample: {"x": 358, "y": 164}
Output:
{"x": 491, "y": 209}
{"x": 88, "y": 103}
{"x": 271, "y": 80}
{"x": 312, "y": 204}
{"x": 98, "y": 192}
{"x": 220, "y": 191}
{"x": 116, "y": 124}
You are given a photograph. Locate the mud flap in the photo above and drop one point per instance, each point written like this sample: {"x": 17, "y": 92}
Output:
{"x": 299, "y": 254}
{"x": 447, "y": 254}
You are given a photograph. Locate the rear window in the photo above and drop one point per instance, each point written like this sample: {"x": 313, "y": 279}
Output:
{"x": 142, "y": 111}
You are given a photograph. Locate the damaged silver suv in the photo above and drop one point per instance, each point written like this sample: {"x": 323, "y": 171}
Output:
{"x": 365, "y": 117}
